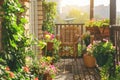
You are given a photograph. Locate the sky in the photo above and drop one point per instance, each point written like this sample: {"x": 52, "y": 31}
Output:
{"x": 86, "y": 2}
{"x": 83, "y": 2}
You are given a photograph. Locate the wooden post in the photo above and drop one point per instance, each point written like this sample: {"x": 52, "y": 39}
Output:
{"x": 91, "y": 9}
{"x": 112, "y": 12}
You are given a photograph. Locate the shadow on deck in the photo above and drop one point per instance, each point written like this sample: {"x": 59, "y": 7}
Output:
{"x": 75, "y": 70}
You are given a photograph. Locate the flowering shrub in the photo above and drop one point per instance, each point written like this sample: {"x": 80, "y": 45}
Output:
{"x": 101, "y": 47}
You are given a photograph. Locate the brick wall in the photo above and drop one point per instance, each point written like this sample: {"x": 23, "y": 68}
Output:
{"x": 40, "y": 18}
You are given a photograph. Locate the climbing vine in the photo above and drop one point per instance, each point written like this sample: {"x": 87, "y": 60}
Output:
{"x": 49, "y": 9}
{"x": 15, "y": 43}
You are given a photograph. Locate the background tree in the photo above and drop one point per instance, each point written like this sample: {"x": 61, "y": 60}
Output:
{"x": 78, "y": 15}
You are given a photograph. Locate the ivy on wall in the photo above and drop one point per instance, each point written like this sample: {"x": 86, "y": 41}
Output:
{"x": 15, "y": 43}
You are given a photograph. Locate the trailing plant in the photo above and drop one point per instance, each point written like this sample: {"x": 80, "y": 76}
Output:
{"x": 98, "y": 23}
{"x": 15, "y": 43}
{"x": 49, "y": 16}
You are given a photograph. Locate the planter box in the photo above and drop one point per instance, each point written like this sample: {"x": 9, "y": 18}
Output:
{"x": 99, "y": 32}
{"x": 105, "y": 31}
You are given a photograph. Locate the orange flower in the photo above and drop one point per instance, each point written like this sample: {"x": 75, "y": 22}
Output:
{"x": 7, "y": 68}
{"x": 11, "y": 75}
{"x": 36, "y": 78}
{"x": 26, "y": 69}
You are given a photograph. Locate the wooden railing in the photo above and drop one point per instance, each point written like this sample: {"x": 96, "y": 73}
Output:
{"x": 59, "y": 26}
{"x": 115, "y": 38}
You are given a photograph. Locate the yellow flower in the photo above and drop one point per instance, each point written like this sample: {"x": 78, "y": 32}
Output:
{"x": 47, "y": 36}
{"x": 49, "y": 58}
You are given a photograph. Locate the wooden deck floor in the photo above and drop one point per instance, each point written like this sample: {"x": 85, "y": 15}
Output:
{"x": 69, "y": 69}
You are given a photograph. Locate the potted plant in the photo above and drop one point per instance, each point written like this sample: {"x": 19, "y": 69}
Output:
{"x": 49, "y": 38}
{"x": 103, "y": 51}
{"x": 102, "y": 25}
{"x": 47, "y": 69}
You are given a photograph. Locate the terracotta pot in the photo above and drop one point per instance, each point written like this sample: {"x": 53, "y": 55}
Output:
{"x": 47, "y": 77}
{"x": 50, "y": 46}
{"x": 89, "y": 60}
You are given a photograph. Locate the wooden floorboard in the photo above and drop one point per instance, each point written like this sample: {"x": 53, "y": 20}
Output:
{"x": 70, "y": 69}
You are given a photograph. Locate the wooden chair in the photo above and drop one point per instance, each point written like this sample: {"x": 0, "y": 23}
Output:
{"x": 69, "y": 37}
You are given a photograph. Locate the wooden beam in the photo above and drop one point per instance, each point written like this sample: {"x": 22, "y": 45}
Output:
{"x": 91, "y": 9}
{"x": 112, "y": 12}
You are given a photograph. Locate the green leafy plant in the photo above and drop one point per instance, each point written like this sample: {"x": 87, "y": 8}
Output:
{"x": 86, "y": 38}
{"x": 49, "y": 16}
{"x": 98, "y": 23}
{"x": 15, "y": 44}
{"x": 103, "y": 51}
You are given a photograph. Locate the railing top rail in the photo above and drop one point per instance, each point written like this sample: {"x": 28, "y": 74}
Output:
{"x": 69, "y": 24}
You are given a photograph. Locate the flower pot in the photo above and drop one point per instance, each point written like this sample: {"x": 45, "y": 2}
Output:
{"x": 47, "y": 77}
{"x": 50, "y": 46}
{"x": 89, "y": 60}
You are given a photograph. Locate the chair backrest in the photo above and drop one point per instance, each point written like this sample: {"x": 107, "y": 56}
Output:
{"x": 68, "y": 34}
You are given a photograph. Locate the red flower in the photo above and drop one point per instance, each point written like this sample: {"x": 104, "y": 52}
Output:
{"x": 26, "y": 69}
{"x": 36, "y": 78}
{"x": 11, "y": 75}
{"x": 7, "y": 68}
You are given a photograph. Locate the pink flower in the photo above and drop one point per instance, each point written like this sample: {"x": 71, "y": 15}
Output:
{"x": 52, "y": 36}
